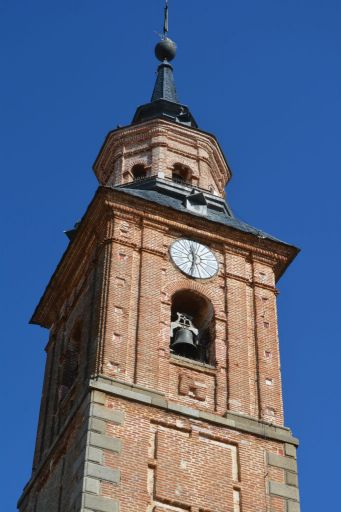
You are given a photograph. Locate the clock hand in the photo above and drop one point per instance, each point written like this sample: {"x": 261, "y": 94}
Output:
{"x": 193, "y": 259}
{"x": 197, "y": 251}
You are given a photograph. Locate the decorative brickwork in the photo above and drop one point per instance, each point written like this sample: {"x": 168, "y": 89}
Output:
{"x": 125, "y": 423}
{"x": 159, "y": 146}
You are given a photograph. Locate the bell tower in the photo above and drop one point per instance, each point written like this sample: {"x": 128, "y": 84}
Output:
{"x": 162, "y": 388}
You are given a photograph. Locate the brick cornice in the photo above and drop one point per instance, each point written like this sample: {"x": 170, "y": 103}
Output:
{"x": 109, "y": 204}
{"x": 265, "y": 250}
{"x": 120, "y": 241}
{"x": 155, "y": 252}
{"x": 161, "y": 133}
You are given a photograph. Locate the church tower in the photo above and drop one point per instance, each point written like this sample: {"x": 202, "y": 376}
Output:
{"x": 162, "y": 388}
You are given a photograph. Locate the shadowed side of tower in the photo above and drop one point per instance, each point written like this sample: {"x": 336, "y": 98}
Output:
{"x": 162, "y": 389}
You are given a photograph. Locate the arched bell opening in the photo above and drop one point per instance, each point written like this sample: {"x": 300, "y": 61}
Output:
{"x": 139, "y": 172}
{"x": 181, "y": 174}
{"x": 192, "y": 330}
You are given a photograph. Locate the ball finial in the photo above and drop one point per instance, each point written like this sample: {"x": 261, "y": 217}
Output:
{"x": 165, "y": 50}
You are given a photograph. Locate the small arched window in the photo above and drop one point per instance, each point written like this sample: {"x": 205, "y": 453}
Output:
{"x": 181, "y": 173}
{"x": 138, "y": 172}
{"x": 192, "y": 327}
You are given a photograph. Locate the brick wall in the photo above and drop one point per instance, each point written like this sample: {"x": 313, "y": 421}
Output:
{"x": 246, "y": 376}
{"x": 131, "y": 449}
{"x": 159, "y": 432}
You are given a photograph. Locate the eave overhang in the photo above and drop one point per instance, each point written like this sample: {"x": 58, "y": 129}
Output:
{"x": 91, "y": 234}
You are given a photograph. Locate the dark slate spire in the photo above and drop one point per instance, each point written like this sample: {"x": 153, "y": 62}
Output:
{"x": 164, "y": 102}
{"x": 164, "y": 88}
{"x": 165, "y": 51}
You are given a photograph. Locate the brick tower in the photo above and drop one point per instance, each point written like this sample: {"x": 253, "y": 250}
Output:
{"x": 162, "y": 388}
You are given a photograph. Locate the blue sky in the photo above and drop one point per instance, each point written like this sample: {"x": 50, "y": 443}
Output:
{"x": 265, "y": 77}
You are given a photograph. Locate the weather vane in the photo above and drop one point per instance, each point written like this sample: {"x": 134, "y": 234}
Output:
{"x": 165, "y": 50}
{"x": 165, "y": 23}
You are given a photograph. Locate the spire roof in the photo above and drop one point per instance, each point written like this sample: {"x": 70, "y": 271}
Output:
{"x": 164, "y": 102}
{"x": 164, "y": 88}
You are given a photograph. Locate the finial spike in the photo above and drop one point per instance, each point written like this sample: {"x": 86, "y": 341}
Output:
{"x": 165, "y": 50}
{"x": 165, "y": 23}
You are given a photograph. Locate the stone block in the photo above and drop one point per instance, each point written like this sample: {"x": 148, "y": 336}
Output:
{"x": 106, "y": 442}
{"x": 160, "y": 401}
{"x": 290, "y": 450}
{"x": 102, "y": 472}
{"x": 293, "y": 506}
{"x": 182, "y": 409}
{"x": 107, "y": 414}
{"x": 133, "y": 395}
{"x": 291, "y": 479}
{"x": 282, "y": 462}
{"x": 94, "y": 454}
{"x": 97, "y": 425}
{"x": 283, "y": 490}
{"x": 250, "y": 425}
{"x": 100, "y": 504}
{"x": 114, "y": 389}
{"x": 98, "y": 397}
{"x": 214, "y": 418}
{"x": 91, "y": 485}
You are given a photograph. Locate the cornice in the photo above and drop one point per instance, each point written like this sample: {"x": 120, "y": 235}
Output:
{"x": 231, "y": 420}
{"x": 155, "y": 399}
{"x": 249, "y": 282}
{"x": 160, "y": 128}
{"x": 155, "y": 252}
{"x": 109, "y": 204}
{"x": 267, "y": 250}
{"x": 73, "y": 267}
{"x": 274, "y": 253}
{"x": 120, "y": 241}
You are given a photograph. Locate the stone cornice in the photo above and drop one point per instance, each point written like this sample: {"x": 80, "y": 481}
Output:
{"x": 231, "y": 420}
{"x": 156, "y": 399}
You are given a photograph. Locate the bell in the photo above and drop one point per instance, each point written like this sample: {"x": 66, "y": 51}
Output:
{"x": 184, "y": 343}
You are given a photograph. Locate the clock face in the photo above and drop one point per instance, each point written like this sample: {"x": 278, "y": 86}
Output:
{"x": 194, "y": 259}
